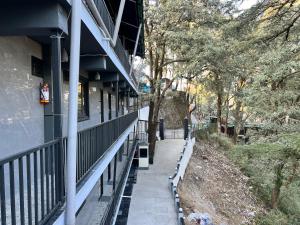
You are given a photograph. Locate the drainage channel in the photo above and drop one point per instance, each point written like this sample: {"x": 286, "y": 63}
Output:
{"x": 126, "y": 197}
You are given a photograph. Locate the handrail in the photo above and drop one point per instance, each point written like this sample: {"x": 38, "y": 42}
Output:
{"x": 107, "y": 121}
{"x": 39, "y": 172}
{"x": 104, "y": 19}
{"x": 32, "y": 150}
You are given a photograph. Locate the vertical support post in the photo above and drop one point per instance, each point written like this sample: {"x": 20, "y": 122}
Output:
{"x": 57, "y": 80}
{"x": 72, "y": 117}
{"x": 115, "y": 172}
{"x": 101, "y": 187}
{"x": 121, "y": 152}
{"x": 128, "y": 145}
{"x": 102, "y": 106}
{"x": 109, "y": 106}
{"x": 186, "y": 128}
{"x": 117, "y": 96}
{"x": 118, "y": 21}
{"x": 48, "y": 108}
{"x": 108, "y": 173}
{"x": 57, "y": 83}
{"x": 161, "y": 129}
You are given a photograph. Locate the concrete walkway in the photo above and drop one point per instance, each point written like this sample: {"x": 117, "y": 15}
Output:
{"x": 152, "y": 202}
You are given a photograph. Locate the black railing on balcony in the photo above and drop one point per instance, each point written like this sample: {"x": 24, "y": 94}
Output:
{"x": 31, "y": 185}
{"x": 123, "y": 56}
{"x": 105, "y": 15}
{"x": 110, "y": 211}
{"x": 118, "y": 48}
{"x": 93, "y": 142}
{"x": 32, "y": 182}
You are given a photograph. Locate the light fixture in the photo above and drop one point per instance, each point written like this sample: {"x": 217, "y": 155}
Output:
{"x": 64, "y": 55}
{"x": 97, "y": 76}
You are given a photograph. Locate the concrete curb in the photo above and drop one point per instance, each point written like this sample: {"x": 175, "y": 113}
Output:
{"x": 182, "y": 163}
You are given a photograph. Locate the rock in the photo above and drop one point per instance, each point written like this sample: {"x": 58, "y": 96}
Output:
{"x": 204, "y": 157}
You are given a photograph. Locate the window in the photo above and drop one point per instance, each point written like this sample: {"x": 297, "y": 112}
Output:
{"x": 37, "y": 67}
{"x": 83, "y": 103}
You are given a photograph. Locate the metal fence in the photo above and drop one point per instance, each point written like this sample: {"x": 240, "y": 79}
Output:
{"x": 118, "y": 48}
{"x": 32, "y": 182}
{"x": 31, "y": 185}
{"x": 108, "y": 217}
{"x": 93, "y": 142}
{"x": 174, "y": 133}
{"x": 105, "y": 15}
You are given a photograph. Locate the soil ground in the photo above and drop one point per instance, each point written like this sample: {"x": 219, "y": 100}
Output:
{"x": 213, "y": 185}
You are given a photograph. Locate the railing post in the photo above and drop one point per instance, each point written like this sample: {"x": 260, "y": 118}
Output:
{"x": 115, "y": 172}
{"x": 109, "y": 106}
{"x": 59, "y": 170}
{"x": 127, "y": 144}
{"x": 161, "y": 129}
{"x": 186, "y": 128}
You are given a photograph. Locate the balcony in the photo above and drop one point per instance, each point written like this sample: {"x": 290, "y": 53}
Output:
{"x": 32, "y": 183}
{"x": 110, "y": 26}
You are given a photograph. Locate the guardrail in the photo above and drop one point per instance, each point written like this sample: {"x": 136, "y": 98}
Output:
{"x": 31, "y": 185}
{"x": 178, "y": 175}
{"x": 105, "y": 15}
{"x": 93, "y": 142}
{"x": 108, "y": 217}
{"x": 32, "y": 182}
{"x": 110, "y": 26}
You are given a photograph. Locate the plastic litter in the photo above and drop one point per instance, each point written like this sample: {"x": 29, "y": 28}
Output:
{"x": 200, "y": 218}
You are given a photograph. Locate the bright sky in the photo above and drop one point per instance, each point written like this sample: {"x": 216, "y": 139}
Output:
{"x": 246, "y": 4}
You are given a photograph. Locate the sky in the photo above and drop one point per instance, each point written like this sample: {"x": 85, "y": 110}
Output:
{"x": 246, "y": 4}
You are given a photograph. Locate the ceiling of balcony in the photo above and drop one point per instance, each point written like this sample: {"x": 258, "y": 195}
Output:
{"x": 132, "y": 17}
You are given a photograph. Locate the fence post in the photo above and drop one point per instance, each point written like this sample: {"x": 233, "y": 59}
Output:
{"x": 59, "y": 178}
{"x": 161, "y": 129}
{"x": 186, "y": 128}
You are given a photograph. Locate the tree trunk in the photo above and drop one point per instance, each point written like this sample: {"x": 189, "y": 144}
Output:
{"x": 237, "y": 120}
{"x": 151, "y": 132}
{"x": 152, "y": 140}
{"x": 277, "y": 185}
{"x": 219, "y": 109}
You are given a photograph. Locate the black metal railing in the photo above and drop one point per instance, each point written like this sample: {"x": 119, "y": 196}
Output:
{"x": 31, "y": 185}
{"x": 108, "y": 216}
{"x": 32, "y": 182}
{"x": 105, "y": 15}
{"x": 110, "y": 26}
{"x": 93, "y": 142}
{"x": 122, "y": 55}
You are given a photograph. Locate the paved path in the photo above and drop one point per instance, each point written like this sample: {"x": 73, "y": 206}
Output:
{"x": 152, "y": 202}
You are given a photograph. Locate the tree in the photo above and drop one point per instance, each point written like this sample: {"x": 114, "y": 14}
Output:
{"x": 160, "y": 18}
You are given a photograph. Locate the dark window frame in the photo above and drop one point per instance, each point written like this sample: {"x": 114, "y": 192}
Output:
{"x": 85, "y": 114}
{"x": 37, "y": 67}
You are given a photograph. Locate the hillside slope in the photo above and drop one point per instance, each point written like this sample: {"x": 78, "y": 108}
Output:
{"x": 213, "y": 185}
{"x": 173, "y": 110}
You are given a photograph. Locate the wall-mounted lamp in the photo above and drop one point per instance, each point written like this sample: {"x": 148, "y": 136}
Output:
{"x": 97, "y": 76}
{"x": 64, "y": 55}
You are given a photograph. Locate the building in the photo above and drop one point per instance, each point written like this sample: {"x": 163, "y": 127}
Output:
{"x": 34, "y": 73}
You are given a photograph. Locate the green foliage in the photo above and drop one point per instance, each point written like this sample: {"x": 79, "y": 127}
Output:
{"x": 222, "y": 141}
{"x": 249, "y": 64}
{"x": 258, "y": 161}
{"x": 274, "y": 217}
